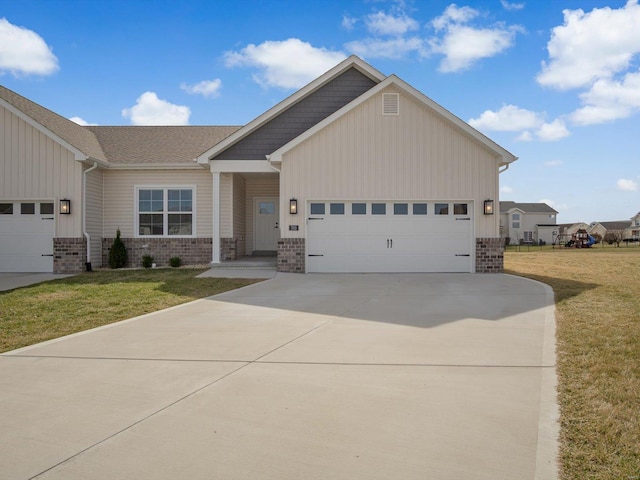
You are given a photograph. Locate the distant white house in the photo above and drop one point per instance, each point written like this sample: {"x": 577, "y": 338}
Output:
{"x": 528, "y": 222}
{"x": 630, "y": 229}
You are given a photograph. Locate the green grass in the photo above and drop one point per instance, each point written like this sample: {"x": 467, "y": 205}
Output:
{"x": 49, "y": 310}
{"x": 598, "y": 344}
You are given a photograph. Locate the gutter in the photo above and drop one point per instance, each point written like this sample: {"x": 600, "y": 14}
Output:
{"x": 84, "y": 214}
{"x": 506, "y": 167}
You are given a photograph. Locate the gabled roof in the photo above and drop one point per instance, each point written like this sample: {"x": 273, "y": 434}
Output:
{"x": 351, "y": 62}
{"x": 615, "y": 225}
{"x": 162, "y": 145}
{"x": 507, "y": 157}
{"x": 527, "y": 207}
{"x": 73, "y": 136}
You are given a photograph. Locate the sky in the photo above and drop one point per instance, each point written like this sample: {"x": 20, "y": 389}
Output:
{"x": 555, "y": 82}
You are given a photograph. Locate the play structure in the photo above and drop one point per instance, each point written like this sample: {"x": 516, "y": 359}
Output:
{"x": 580, "y": 239}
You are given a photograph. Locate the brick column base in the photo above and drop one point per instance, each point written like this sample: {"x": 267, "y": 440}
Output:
{"x": 228, "y": 249}
{"x": 291, "y": 255}
{"x": 69, "y": 255}
{"x": 489, "y": 255}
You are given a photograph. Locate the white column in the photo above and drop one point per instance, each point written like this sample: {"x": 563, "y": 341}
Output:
{"x": 215, "y": 257}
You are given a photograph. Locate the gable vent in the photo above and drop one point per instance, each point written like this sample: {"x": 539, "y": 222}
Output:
{"x": 391, "y": 104}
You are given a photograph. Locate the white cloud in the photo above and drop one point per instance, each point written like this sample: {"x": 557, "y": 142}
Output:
{"x": 206, "y": 88}
{"x": 551, "y": 132}
{"x": 463, "y": 45}
{"x": 627, "y": 185}
{"x": 553, "y": 163}
{"x": 290, "y": 63}
{"x": 454, "y": 14}
{"x": 82, "y": 121}
{"x": 381, "y": 23}
{"x": 23, "y": 51}
{"x": 511, "y": 6}
{"x": 591, "y": 46}
{"x": 151, "y": 110}
{"x": 608, "y": 100}
{"x": 348, "y": 22}
{"x": 556, "y": 206}
{"x": 386, "y": 48}
{"x": 524, "y": 137}
{"x": 506, "y": 189}
{"x": 509, "y": 118}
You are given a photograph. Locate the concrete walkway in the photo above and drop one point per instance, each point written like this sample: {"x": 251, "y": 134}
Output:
{"x": 302, "y": 376}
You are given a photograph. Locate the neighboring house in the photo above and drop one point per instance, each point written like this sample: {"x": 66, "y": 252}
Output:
{"x": 601, "y": 228}
{"x": 355, "y": 172}
{"x": 633, "y": 230}
{"x": 528, "y": 222}
{"x": 568, "y": 229}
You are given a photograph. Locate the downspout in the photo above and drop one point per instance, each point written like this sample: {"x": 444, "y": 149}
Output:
{"x": 84, "y": 214}
{"x": 506, "y": 167}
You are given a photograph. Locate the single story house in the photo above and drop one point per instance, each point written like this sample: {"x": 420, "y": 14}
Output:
{"x": 355, "y": 172}
{"x": 528, "y": 222}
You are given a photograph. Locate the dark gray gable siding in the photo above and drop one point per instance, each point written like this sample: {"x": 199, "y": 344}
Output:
{"x": 299, "y": 117}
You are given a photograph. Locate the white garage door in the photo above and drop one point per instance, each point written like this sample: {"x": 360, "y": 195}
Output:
{"x": 363, "y": 237}
{"x": 26, "y": 236}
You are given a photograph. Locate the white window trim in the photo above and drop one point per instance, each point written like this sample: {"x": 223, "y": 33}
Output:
{"x": 165, "y": 199}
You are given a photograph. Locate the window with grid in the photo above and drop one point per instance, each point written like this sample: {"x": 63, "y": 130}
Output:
{"x": 165, "y": 212}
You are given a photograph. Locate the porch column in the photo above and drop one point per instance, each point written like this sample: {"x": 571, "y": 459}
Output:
{"x": 215, "y": 256}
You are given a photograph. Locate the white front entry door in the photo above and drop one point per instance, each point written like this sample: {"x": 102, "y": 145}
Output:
{"x": 266, "y": 224}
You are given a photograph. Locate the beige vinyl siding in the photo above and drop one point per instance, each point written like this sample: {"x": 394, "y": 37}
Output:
{"x": 260, "y": 185}
{"x": 239, "y": 213}
{"x": 416, "y": 155}
{"x": 94, "y": 210}
{"x": 35, "y": 167}
{"x": 226, "y": 205}
{"x": 119, "y": 197}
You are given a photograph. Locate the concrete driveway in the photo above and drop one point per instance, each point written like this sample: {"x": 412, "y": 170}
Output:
{"x": 9, "y": 281}
{"x": 299, "y": 377}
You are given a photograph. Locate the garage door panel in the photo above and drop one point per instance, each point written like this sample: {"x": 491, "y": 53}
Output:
{"x": 391, "y": 242}
{"x": 26, "y": 244}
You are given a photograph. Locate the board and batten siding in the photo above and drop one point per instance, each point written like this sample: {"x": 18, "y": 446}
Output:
{"x": 258, "y": 186}
{"x": 119, "y": 197}
{"x": 416, "y": 155}
{"x": 35, "y": 167}
{"x": 95, "y": 193}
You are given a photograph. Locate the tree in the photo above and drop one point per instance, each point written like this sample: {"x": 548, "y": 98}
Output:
{"x": 613, "y": 236}
{"x": 117, "y": 252}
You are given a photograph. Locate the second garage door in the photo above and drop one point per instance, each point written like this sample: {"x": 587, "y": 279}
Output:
{"x": 368, "y": 237}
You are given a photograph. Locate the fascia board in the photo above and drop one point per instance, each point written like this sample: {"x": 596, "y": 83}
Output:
{"x": 80, "y": 156}
{"x": 352, "y": 61}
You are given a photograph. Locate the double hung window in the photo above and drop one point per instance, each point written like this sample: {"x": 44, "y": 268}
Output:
{"x": 165, "y": 212}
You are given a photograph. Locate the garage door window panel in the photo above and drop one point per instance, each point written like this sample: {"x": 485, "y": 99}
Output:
{"x": 401, "y": 209}
{"x": 358, "y": 209}
{"x": 317, "y": 209}
{"x": 6, "y": 208}
{"x": 441, "y": 209}
{"x": 336, "y": 208}
{"x": 27, "y": 209}
{"x": 460, "y": 209}
{"x": 46, "y": 209}
{"x": 419, "y": 208}
{"x": 378, "y": 208}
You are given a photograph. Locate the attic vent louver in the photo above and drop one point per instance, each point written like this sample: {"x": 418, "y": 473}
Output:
{"x": 391, "y": 104}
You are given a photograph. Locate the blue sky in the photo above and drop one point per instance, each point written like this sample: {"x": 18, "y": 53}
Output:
{"x": 557, "y": 83}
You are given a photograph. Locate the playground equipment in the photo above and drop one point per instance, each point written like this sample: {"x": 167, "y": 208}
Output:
{"x": 580, "y": 239}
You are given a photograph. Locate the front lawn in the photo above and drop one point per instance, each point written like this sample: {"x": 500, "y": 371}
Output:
{"x": 597, "y": 294}
{"x": 49, "y": 310}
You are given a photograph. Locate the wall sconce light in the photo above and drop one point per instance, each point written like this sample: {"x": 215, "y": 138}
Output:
{"x": 65, "y": 206}
{"x": 488, "y": 207}
{"x": 293, "y": 206}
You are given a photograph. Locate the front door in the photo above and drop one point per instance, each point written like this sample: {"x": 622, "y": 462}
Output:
{"x": 266, "y": 226}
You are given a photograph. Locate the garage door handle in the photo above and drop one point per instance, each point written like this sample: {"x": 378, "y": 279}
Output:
{"x": 462, "y": 255}
{"x": 467, "y": 218}
{"x": 45, "y": 255}
{"x": 310, "y": 218}
{"x": 315, "y": 255}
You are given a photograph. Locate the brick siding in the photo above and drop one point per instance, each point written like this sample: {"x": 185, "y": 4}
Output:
{"x": 228, "y": 249}
{"x": 489, "y": 255}
{"x": 192, "y": 251}
{"x": 69, "y": 255}
{"x": 291, "y": 255}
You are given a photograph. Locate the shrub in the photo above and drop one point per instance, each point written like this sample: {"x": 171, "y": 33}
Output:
{"x": 118, "y": 253}
{"x": 147, "y": 261}
{"x": 175, "y": 262}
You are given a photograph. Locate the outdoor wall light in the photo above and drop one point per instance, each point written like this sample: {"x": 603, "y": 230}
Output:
{"x": 65, "y": 206}
{"x": 488, "y": 207}
{"x": 293, "y": 206}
